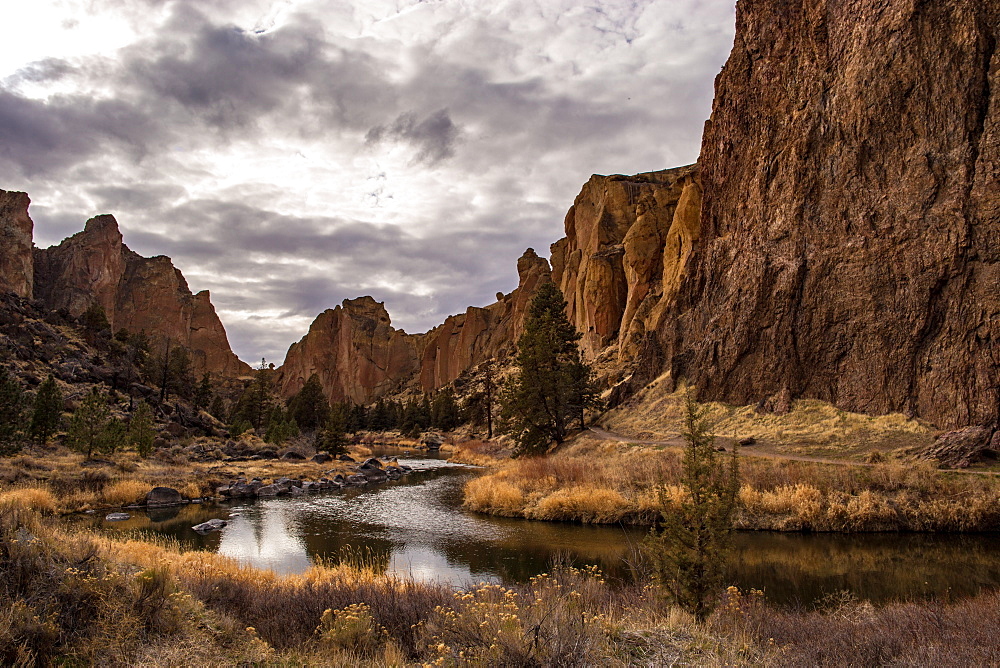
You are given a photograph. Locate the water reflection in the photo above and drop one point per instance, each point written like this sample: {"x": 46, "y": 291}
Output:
{"x": 416, "y": 527}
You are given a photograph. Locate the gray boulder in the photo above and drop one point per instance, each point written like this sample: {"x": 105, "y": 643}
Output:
{"x": 117, "y": 517}
{"x": 210, "y": 525}
{"x": 163, "y": 496}
{"x": 268, "y": 490}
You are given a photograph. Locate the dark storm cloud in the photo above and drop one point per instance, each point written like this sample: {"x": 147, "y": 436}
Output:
{"x": 43, "y": 137}
{"x": 434, "y": 136}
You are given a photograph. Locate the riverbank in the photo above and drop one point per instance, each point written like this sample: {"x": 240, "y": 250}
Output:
{"x": 58, "y": 481}
{"x": 82, "y": 597}
{"x": 595, "y": 481}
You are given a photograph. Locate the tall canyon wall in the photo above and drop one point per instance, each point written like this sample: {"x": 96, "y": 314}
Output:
{"x": 850, "y": 235}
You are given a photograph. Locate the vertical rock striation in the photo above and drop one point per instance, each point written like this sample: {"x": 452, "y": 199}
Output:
{"x": 849, "y": 234}
{"x": 16, "y": 248}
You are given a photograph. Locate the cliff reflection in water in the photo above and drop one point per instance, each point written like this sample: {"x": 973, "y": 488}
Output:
{"x": 416, "y": 528}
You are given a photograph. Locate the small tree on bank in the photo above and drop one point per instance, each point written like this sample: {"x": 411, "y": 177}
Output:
{"x": 690, "y": 543}
{"x": 552, "y": 385}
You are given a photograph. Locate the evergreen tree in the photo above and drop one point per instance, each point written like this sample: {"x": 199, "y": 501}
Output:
{"x": 140, "y": 429}
{"x": 254, "y": 407}
{"x": 444, "y": 411}
{"x": 478, "y": 406}
{"x": 46, "y": 411}
{"x": 218, "y": 407}
{"x": 12, "y": 405}
{"x": 95, "y": 321}
{"x": 92, "y": 427}
{"x": 540, "y": 401}
{"x": 309, "y": 406}
{"x": 180, "y": 374}
{"x": 689, "y": 546}
{"x": 331, "y": 437}
{"x": 203, "y": 393}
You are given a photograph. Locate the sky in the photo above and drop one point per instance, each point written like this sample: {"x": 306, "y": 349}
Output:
{"x": 291, "y": 154}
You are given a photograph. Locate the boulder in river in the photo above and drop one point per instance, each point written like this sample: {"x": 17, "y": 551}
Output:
{"x": 163, "y": 496}
{"x": 210, "y": 525}
{"x": 117, "y": 517}
{"x": 268, "y": 490}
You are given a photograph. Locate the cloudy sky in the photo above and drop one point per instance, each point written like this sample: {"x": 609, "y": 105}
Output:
{"x": 289, "y": 154}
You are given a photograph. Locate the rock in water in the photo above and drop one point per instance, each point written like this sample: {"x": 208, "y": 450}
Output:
{"x": 210, "y": 525}
{"x": 117, "y": 517}
{"x": 163, "y": 496}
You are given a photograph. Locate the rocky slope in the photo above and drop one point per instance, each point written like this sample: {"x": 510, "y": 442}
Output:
{"x": 137, "y": 293}
{"x": 849, "y": 233}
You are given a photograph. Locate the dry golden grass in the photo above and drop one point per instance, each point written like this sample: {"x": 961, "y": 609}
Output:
{"x": 603, "y": 482}
{"x": 77, "y": 485}
{"x": 38, "y": 499}
{"x": 129, "y": 602}
{"x": 124, "y": 492}
{"x": 811, "y": 426}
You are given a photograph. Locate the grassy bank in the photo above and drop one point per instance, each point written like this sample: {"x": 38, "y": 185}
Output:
{"x": 605, "y": 482}
{"x": 59, "y": 481}
{"x": 82, "y": 599}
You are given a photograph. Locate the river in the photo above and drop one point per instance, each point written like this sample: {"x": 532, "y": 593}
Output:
{"x": 416, "y": 527}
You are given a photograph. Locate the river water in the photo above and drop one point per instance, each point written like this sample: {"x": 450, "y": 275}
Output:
{"x": 416, "y": 527}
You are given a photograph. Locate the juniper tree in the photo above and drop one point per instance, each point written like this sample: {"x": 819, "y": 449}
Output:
{"x": 203, "y": 393}
{"x": 46, "y": 411}
{"x": 689, "y": 545}
{"x": 552, "y": 385}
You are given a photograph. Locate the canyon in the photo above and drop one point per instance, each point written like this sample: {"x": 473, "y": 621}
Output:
{"x": 837, "y": 240}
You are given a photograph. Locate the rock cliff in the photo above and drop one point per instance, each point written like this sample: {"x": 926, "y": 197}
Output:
{"x": 628, "y": 239}
{"x": 359, "y": 356}
{"x": 16, "y": 261}
{"x": 849, "y": 232}
{"x": 137, "y": 293}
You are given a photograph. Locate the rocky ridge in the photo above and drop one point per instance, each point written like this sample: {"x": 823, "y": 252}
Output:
{"x": 138, "y": 294}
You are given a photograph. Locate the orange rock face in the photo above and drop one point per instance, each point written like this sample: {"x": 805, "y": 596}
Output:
{"x": 359, "y": 356}
{"x": 356, "y": 352}
{"x": 16, "y": 259}
{"x": 851, "y": 216}
{"x": 139, "y": 294}
{"x": 628, "y": 240}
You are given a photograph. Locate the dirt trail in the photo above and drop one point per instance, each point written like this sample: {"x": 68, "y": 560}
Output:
{"x": 748, "y": 451}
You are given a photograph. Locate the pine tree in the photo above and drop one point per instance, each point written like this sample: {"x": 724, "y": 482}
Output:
{"x": 140, "y": 429}
{"x": 689, "y": 546}
{"x": 92, "y": 427}
{"x": 254, "y": 407}
{"x": 444, "y": 411}
{"x": 203, "y": 393}
{"x": 309, "y": 406}
{"x": 180, "y": 374}
{"x": 552, "y": 385}
{"x": 95, "y": 321}
{"x": 12, "y": 405}
{"x": 46, "y": 411}
{"x": 218, "y": 407}
{"x": 331, "y": 437}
